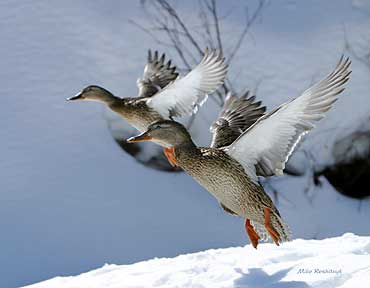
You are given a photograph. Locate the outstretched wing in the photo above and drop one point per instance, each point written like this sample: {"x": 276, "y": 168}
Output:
{"x": 265, "y": 147}
{"x": 157, "y": 75}
{"x": 237, "y": 115}
{"x": 185, "y": 94}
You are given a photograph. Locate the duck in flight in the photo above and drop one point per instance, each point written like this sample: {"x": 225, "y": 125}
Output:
{"x": 162, "y": 93}
{"x": 229, "y": 169}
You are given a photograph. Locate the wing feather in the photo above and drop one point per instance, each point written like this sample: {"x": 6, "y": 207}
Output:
{"x": 157, "y": 75}
{"x": 266, "y": 146}
{"x": 185, "y": 94}
{"x": 236, "y": 116}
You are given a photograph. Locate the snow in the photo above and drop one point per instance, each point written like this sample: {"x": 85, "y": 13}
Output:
{"x": 340, "y": 262}
{"x": 71, "y": 200}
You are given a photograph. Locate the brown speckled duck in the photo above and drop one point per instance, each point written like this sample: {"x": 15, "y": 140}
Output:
{"x": 230, "y": 173}
{"x": 162, "y": 94}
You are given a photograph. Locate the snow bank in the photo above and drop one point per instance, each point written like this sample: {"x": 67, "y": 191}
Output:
{"x": 335, "y": 262}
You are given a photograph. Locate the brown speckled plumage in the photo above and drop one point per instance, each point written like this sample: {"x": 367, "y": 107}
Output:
{"x": 223, "y": 176}
{"x": 136, "y": 112}
{"x": 227, "y": 181}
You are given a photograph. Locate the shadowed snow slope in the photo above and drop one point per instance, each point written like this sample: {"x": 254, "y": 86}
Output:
{"x": 335, "y": 262}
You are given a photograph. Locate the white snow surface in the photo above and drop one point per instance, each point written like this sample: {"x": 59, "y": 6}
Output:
{"x": 71, "y": 200}
{"x": 340, "y": 262}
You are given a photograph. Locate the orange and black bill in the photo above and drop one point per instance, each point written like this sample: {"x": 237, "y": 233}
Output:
{"x": 76, "y": 97}
{"x": 140, "y": 138}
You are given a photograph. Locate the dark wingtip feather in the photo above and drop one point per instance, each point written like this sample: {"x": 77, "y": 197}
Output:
{"x": 162, "y": 58}
{"x": 149, "y": 55}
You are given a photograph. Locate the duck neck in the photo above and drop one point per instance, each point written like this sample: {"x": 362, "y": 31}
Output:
{"x": 186, "y": 153}
{"x": 109, "y": 99}
{"x": 187, "y": 144}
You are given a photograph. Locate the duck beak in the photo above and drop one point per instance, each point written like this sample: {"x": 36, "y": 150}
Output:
{"x": 76, "y": 97}
{"x": 140, "y": 138}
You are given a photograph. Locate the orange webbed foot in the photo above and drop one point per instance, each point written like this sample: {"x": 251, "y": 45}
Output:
{"x": 253, "y": 236}
{"x": 274, "y": 235}
{"x": 169, "y": 152}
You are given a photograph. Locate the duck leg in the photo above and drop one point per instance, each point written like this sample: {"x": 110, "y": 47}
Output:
{"x": 253, "y": 236}
{"x": 274, "y": 235}
{"x": 170, "y": 156}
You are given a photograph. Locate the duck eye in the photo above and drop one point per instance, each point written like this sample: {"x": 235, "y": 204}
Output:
{"x": 166, "y": 126}
{"x": 153, "y": 127}
{"x": 157, "y": 126}
{"x": 87, "y": 89}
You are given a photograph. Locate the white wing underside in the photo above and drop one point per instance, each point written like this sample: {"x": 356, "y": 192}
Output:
{"x": 265, "y": 147}
{"x": 183, "y": 95}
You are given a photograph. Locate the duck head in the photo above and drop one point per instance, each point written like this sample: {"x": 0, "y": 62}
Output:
{"x": 93, "y": 93}
{"x": 166, "y": 133}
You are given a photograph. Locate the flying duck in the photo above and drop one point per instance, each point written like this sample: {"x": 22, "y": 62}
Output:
{"x": 162, "y": 93}
{"x": 229, "y": 169}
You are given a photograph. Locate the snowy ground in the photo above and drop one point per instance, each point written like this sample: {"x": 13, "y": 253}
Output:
{"x": 341, "y": 262}
{"x": 71, "y": 200}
